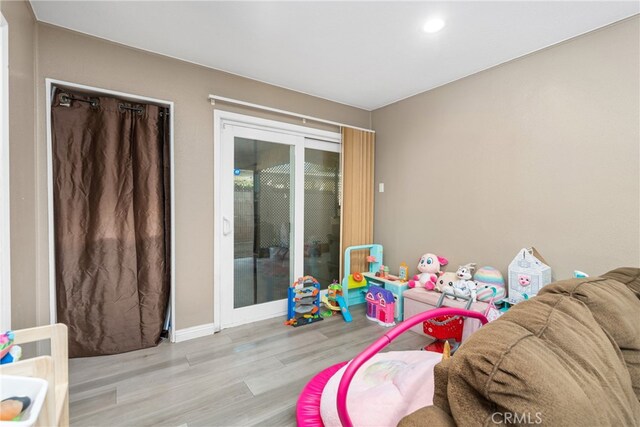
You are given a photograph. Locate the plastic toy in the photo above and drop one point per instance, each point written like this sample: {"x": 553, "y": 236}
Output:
{"x": 343, "y": 308}
{"x": 6, "y": 341}
{"x": 380, "y": 306}
{"x": 303, "y": 303}
{"x": 429, "y": 267}
{"x": 13, "y": 355}
{"x": 353, "y": 291}
{"x": 490, "y": 285}
{"x": 335, "y": 303}
{"x": 12, "y": 407}
{"x": 446, "y": 351}
{"x": 445, "y": 328}
{"x": 403, "y": 272}
{"x": 308, "y": 406}
{"x": 8, "y": 351}
{"x": 528, "y": 273}
{"x": 579, "y": 274}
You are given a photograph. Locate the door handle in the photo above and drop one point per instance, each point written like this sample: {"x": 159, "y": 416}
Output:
{"x": 226, "y": 226}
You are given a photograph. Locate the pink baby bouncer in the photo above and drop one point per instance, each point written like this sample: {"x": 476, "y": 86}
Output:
{"x": 308, "y": 407}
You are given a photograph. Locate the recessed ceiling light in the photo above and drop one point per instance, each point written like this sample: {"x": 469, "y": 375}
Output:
{"x": 433, "y": 25}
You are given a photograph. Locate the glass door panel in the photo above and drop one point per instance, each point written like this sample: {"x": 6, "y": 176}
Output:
{"x": 263, "y": 196}
{"x": 322, "y": 215}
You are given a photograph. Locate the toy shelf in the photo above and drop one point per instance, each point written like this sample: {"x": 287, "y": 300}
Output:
{"x": 53, "y": 369}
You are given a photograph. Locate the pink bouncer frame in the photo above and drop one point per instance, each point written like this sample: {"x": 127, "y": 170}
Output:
{"x": 308, "y": 407}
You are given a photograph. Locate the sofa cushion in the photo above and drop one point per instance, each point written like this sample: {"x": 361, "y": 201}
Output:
{"x": 548, "y": 359}
{"x": 614, "y": 302}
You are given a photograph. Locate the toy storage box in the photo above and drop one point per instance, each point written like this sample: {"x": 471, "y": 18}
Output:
{"x": 34, "y": 388}
{"x": 528, "y": 273}
{"x": 418, "y": 300}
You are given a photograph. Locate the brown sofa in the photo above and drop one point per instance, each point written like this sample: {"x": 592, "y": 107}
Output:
{"x": 568, "y": 357}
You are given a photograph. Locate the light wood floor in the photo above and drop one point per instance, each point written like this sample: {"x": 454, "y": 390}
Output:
{"x": 248, "y": 375}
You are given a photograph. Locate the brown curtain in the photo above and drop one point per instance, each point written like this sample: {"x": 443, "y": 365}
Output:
{"x": 358, "y": 155}
{"x": 111, "y": 221}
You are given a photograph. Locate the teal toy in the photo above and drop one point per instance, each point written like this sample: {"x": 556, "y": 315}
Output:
{"x": 353, "y": 291}
{"x": 346, "y": 314}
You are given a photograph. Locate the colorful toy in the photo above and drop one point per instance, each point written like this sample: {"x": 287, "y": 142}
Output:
{"x": 303, "y": 303}
{"x": 335, "y": 303}
{"x": 445, "y": 328}
{"x": 429, "y": 267}
{"x": 343, "y": 308}
{"x": 380, "y": 305}
{"x": 490, "y": 285}
{"x": 403, "y": 272}
{"x": 6, "y": 341}
{"x": 353, "y": 291}
{"x": 13, "y": 355}
{"x": 580, "y": 274}
{"x": 12, "y": 407}
{"x": 528, "y": 273}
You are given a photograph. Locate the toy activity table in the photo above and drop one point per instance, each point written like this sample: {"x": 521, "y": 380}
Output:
{"x": 395, "y": 286}
{"x": 354, "y": 291}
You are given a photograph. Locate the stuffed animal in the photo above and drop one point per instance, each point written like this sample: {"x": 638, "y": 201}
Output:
{"x": 429, "y": 267}
{"x": 490, "y": 285}
{"x": 445, "y": 282}
{"x": 463, "y": 286}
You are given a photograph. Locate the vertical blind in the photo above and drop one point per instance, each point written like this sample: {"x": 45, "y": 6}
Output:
{"x": 358, "y": 154}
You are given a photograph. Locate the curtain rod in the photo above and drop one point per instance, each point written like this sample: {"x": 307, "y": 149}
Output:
{"x": 214, "y": 98}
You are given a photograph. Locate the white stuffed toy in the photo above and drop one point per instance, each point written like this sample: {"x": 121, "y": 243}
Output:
{"x": 464, "y": 286}
{"x": 446, "y": 281}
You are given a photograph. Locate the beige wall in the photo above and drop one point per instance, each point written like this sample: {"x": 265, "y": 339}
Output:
{"x": 22, "y": 36}
{"x": 540, "y": 151}
{"x": 73, "y": 57}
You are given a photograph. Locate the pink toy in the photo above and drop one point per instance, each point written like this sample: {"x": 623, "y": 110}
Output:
{"x": 380, "y": 305}
{"x": 308, "y": 406}
{"x": 524, "y": 280}
{"x": 429, "y": 267}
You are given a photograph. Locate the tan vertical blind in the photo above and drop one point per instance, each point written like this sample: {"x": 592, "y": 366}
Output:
{"x": 358, "y": 156}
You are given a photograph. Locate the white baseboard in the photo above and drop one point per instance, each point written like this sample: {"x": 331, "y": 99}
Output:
{"x": 194, "y": 332}
{"x": 260, "y": 318}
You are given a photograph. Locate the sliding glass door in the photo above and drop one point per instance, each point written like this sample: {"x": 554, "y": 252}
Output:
{"x": 280, "y": 219}
{"x": 322, "y": 211}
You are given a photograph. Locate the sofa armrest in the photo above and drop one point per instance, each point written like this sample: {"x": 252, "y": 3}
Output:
{"x": 431, "y": 416}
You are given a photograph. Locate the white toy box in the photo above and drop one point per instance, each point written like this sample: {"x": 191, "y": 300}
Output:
{"x": 528, "y": 273}
{"x": 34, "y": 388}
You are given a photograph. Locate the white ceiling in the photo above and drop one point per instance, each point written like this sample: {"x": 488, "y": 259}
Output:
{"x": 365, "y": 54}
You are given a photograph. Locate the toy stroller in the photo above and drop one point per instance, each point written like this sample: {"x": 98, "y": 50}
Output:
{"x": 447, "y": 328}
